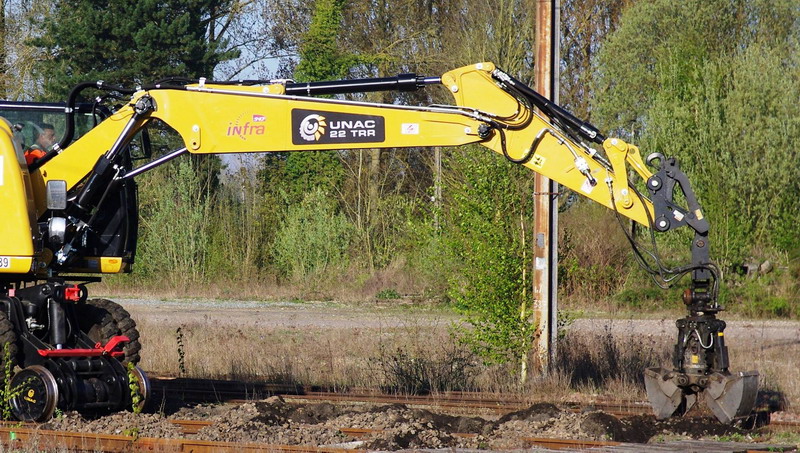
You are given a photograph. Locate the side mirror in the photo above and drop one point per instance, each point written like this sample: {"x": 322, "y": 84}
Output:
{"x": 56, "y": 195}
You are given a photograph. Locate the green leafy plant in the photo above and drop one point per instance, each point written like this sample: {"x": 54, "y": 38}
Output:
{"x": 386, "y": 294}
{"x": 485, "y": 234}
{"x": 134, "y": 386}
{"x": 313, "y": 237}
{"x": 7, "y": 391}
{"x": 132, "y": 432}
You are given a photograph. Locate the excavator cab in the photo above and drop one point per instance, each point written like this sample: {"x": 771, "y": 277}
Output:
{"x": 110, "y": 246}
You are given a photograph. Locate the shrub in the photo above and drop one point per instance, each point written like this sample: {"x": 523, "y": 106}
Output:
{"x": 313, "y": 237}
{"x": 451, "y": 369}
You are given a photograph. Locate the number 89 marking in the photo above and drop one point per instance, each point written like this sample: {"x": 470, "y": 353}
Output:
{"x": 5, "y": 262}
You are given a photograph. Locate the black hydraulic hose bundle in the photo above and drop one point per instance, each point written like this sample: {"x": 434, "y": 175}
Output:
{"x": 552, "y": 109}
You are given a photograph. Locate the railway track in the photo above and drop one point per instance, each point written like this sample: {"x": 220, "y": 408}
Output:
{"x": 29, "y": 436}
{"x": 456, "y": 403}
{"x": 214, "y": 391}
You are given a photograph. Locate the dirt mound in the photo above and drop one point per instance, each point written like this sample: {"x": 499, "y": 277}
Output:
{"x": 539, "y": 412}
{"x": 121, "y": 423}
{"x": 390, "y": 427}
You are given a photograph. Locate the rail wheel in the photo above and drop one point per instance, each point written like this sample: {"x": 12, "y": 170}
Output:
{"x": 34, "y": 394}
{"x": 101, "y": 319}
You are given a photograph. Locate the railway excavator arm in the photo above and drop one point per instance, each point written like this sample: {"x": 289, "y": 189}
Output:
{"x": 62, "y": 201}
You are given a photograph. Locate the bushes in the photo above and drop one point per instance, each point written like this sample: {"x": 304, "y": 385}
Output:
{"x": 175, "y": 225}
{"x": 313, "y": 238}
{"x": 484, "y": 234}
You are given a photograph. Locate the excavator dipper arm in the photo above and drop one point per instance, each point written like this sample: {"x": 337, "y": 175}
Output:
{"x": 492, "y": 109}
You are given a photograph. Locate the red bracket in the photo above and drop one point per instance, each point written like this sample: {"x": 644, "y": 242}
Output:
{"x": 113, "y": 348}
{"x": 73, "y": 293}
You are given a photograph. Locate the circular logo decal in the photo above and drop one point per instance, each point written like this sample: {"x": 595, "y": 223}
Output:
{"x": 313, "y": 127}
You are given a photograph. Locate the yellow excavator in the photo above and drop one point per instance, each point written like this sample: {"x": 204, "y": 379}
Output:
{"x": 72, "y": 214}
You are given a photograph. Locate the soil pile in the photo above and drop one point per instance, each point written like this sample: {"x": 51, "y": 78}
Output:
{"x": 387, "y": 427}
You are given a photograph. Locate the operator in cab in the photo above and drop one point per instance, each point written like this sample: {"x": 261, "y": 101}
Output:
{"x": 45, "y": 137}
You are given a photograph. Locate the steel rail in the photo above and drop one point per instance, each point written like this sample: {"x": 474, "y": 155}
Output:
{"x": 17, "y": 438}
{"x": 213, "y": 390}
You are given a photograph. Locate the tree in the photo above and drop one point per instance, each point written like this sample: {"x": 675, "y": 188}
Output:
{"x": 130, "y": 43}
{"x": 320, "y": 59}
{"x": 688, "y": 88}
{"x": 584, "y": 26}
{"x": 485, "y": 229}
{"x": 21, "y": 20}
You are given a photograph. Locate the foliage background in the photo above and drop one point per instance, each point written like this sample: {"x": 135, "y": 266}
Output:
{"x": 713, "y": 82}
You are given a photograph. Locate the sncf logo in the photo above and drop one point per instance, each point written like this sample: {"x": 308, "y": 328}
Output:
{"x": 313, "y": 127}
{"x": 255, "y": 126}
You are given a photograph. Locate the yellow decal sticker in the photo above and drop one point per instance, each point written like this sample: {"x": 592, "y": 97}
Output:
{"x": 695, "y": 359}
{"x": 538, "y": 161}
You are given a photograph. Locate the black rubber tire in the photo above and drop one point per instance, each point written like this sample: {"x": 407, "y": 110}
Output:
{"x": 8, "y": 335}
{"x": 101, "y": 319}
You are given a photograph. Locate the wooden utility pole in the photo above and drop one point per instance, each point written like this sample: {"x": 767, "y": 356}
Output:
{"x": 545, "y": 239}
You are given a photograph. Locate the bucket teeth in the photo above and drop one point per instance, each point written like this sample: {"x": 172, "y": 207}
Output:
{"x": 732, "y": 396}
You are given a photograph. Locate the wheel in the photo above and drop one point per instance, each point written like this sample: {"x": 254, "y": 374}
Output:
{"x": 8, "y": 336}
{"x": 101, "y": 319}
{"x": 34, "y": 394}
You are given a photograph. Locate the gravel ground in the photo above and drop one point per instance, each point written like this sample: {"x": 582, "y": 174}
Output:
{"x": 331, "y": 315}
{"x": 276, "y": 314}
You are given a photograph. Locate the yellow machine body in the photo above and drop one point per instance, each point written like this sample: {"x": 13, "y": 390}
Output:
{"x": 216, "y": 119}
{"x": 18, "y": 214}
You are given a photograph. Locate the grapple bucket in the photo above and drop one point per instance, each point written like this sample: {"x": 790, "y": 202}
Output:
{"x": 664, "y": 395}
{"x": 732, "y": 396}
{"x": 729, "y": 396}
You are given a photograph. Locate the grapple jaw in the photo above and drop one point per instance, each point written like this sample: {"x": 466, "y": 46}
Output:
{"x": 729, "y": 396}
{"x": 732, "y": 396}
{"x": 665, "y": 397}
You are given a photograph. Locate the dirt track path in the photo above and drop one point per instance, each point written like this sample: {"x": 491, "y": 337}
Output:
{"x": 336, "y": 316}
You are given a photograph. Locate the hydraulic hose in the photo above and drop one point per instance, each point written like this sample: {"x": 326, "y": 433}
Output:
{"x": 552, "y": 109}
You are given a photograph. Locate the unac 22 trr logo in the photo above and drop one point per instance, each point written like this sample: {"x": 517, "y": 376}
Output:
{"x": 312, "y": 128}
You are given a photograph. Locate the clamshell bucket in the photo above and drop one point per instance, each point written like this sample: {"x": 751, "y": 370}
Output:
{"x": 732, "y": 396}
{"x": 729, "y": 396}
